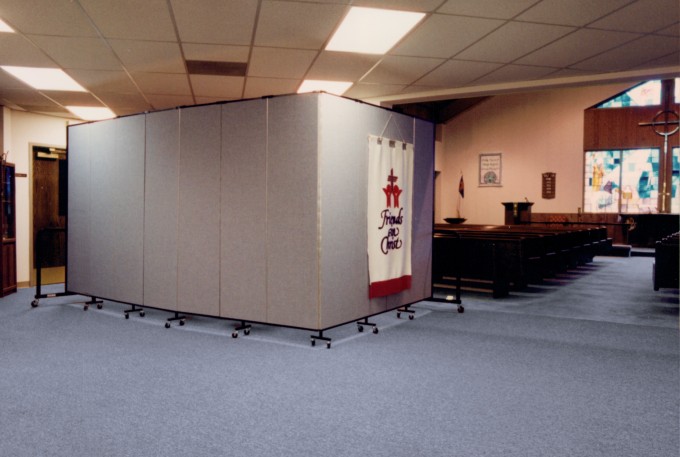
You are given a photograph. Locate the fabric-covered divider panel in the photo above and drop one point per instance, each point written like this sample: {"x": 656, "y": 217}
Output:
{"x": 344, "y": 131}
{"x": 78, "y": 258}
{"x": 198, "y": 243}
{"x": 161, "y": 209}
{"x": 117, "y": 209}
{"x": 244, "y": 208}
{"x": 343, "y": 179}
{"x": 423, "y": 207}
{"x": 292, "y": 263}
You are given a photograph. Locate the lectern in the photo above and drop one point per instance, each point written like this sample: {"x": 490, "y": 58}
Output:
{"x": 517, "y": 212}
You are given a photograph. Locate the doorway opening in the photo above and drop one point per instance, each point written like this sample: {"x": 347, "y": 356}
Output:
{"x": 48, "y": 214}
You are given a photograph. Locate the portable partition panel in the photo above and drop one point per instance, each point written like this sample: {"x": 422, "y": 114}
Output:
{"x": 253, "y": 210}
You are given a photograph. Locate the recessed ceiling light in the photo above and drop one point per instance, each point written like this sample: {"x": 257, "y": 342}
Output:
{"x": 91, "y": 113}
{"x": 45, "y": 78}
{"x": 372, "y": 30}
{"x": 5, "y": 28}
{"x": 332, "y": 87}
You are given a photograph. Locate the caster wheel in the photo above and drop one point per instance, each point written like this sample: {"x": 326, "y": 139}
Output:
{"x": 328, "y": 345}
{"x": 461, "y": 309}
{"x": 360, "y": 328}
{"x": 313, "y": 342}
{"x": 375, "y": 330}
{"x": 85, "y": 308}
{"x": 234, "y": 334}
{"x": 127, "y": 315}
{"x": 167, "y": 325}
{"x": 246, "y": 332}
{"x": 181, "y": 322}
{"x": 410, "y": 317}
{"x": 34, "y": 303}
{"x": 99, "y": 306}
{"x": 398, "y": 315}
{"x": 142, "y": 314}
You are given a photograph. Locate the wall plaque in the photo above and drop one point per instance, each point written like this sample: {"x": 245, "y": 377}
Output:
{"x": 548, "y": 187}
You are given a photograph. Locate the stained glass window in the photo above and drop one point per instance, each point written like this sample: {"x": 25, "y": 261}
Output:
{"x": 640, "y": 181}
{"x": 622, "y": 181}
{"x": 603, "y": 181}
{"x": 645, "y": 94}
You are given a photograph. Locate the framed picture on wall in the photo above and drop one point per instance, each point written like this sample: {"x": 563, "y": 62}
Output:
{"x": 490, "y": 170}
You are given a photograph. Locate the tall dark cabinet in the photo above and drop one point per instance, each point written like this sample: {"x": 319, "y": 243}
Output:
{"x": 8, "y": 261}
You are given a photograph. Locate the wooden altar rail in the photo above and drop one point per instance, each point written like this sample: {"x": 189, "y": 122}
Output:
{"x": 666, "y": 269}
{"x": 505, "y": 257}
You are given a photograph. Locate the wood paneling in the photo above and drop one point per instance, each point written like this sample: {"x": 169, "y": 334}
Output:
{"x": 618, "y": 128}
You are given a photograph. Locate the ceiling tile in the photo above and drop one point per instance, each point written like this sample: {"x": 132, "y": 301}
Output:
{"x": 215, "y": 21}
{"x": 572, "y": 12}
{"x": 78, "y": 52}
{"x": 8, "y": 81}
{"x": 297, "y": 25}
{"x": 669, "y": 60}
{"x": 105, "y": 81}
{"x": 457, "y": 72}
{"x": 124, "y": 104}
{"x": 499, "y": 9}
{"x": 341, "y": 66}
{"x": 569, "y": 73}
{"x": 163, "y": 83}
{"x": 132, "y": 19}
{"x": 52, "y": 110}
{"x": 262, "y": 87}
{"x": 226, "y": 87}
{"x": 281, "y": 63}
{"x": 160, "y": 102}
{"x": 362, "y": 90}
{"x": 673, "y": 30}
{"x": 424, "y": 6}
{"x": 65, "y": 98}
{"x": 642, "y": 16}
{"x": 17, "y": 50}
{"x": 444, "y": 36}
{"x": 149, "y": 56}
{"x": 54, "y": 17}
{"x": 513, "y": 40}
{"x": 631, "y": 55}
{"x": 128, "y": 111}
{"x": 215, "y": 52}
{"x": 209, "y": 100}
{"x": 570, "y": 49}
{"x": 26, "y": 97}
{"x": 510, "y": 73}
{"x": 401, "y": 70}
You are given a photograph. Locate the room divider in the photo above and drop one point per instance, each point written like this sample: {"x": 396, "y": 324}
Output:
{"x": 253, "y": 210}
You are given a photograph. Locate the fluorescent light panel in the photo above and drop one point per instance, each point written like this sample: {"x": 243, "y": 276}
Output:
{"x": 45, "y": 78}
{"x": 5, "y": 28}
{"x": 372, "y": 30}
{"x": 91, "y": 113}
{"x": 332, "y": 87}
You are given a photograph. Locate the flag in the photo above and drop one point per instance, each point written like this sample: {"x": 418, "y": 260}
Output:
{"x": 461, "y": 187}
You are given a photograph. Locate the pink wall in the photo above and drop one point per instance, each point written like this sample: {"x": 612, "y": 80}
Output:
{"x": 536, "y": 132}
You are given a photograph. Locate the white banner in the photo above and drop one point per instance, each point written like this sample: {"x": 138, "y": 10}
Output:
{"x": 390, "y": 183}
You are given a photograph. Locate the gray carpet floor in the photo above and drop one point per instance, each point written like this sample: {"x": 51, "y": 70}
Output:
{"x": 584, "y": 365}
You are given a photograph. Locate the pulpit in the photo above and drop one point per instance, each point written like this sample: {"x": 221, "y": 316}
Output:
{"x": 517, "y": 212}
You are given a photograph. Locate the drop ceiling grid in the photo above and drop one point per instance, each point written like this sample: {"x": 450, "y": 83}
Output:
{"x": 132, "y": 48}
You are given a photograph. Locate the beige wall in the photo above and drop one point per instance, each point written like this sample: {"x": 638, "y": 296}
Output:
{"x": 21, "y": 130}
{"x": 536, "y": 132}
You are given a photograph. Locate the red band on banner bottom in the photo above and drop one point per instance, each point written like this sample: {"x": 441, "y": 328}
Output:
{"x": 389, "y": 287}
